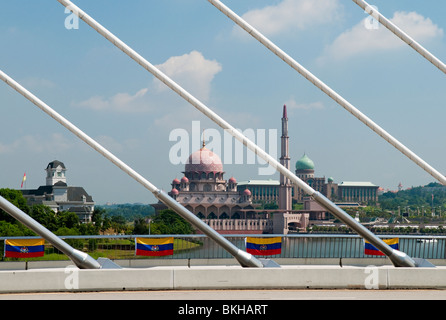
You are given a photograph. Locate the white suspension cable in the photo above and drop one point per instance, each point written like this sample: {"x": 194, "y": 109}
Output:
{"x": 245, "y": 259}
{"x": 398, "y": 258}
{"x": 401, "y": 34}
{"x": 327, "y": 90}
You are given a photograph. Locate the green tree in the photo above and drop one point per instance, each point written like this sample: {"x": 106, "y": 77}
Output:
{"x": 16, "y": 198}
{"x": 141, "y": 226}
{"x": 67, "y": 219}
{"x": 100, "y": 219}
{"x": 169, "y": 222}
{"x": 45, "y": 216}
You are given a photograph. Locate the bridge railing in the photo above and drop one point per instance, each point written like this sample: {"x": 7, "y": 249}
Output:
{"x": 201, "y": 247}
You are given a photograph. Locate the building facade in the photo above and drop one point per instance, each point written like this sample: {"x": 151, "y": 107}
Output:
{"x": 344, "y": 192}
{"x": 266, "y": 191}
{"x": 229, "y": 207}
{"x": 361, "y": 192}
{"x": 204, "y": 191}
{"x": 59, "y": 196}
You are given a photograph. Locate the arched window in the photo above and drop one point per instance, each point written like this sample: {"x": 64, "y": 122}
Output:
{"x": 212, "y": 215}
{"x": 200, "y": 215}
{"x": 224, "y": 216}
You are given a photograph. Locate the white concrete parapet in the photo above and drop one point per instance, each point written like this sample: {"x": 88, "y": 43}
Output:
{"x": 71, "y": 279}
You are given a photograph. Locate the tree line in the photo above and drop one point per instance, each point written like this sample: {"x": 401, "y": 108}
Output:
{"x": 432, "y": 195}
{"x": 142, "y": 220}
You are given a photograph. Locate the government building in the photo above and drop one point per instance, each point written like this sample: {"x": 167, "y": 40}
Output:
{"x": 343, "y": 193}
{"x": 346, "y": 192}
{"x": 59, "y": 196}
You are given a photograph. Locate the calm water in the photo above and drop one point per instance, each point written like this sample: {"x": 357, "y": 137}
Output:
{"x": 321, "y": 247}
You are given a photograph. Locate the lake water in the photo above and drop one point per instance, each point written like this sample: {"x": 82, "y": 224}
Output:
{"x": 321, "y": 247}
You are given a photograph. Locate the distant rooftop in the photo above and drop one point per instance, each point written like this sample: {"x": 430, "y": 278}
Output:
{"x": 269, "y": 182}
{"x": 357, "y": 184}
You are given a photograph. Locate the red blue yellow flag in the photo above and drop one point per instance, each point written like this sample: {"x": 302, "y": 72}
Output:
{"x": 154, "y": 246}
{"x": 23, "y": 180}
{"x": 24, "y": 248}
{"x": 370, "y": 249}
{"x": 264, "y": 246}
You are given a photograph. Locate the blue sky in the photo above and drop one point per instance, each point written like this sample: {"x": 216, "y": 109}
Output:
{"x": 105, "y": 93}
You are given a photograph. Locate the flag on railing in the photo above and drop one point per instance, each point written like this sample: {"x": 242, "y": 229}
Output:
{"x": 154, "y": 246}
{"x": 264, "y": 246}
{"x": 24, "y": 248}
{"x": 370, "y": 249}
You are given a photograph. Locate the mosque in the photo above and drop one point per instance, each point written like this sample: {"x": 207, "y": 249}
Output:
{"x": 231, "y": 207}
{"x": 204, "y": 192}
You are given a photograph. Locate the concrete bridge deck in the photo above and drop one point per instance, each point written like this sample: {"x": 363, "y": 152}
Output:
{"x": 64, "y": 278}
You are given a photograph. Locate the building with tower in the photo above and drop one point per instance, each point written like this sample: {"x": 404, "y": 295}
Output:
{"x": 59, "y": 196}
{"x": 229, "y": 206}
{"x": 345, "y": 193}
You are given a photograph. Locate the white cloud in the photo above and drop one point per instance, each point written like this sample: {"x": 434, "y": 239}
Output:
{"x": 36, "y": 144}
{"x": 360, "y": 40}
{"x": 192, "y": 71}
{"x": 293, "y": 105}
{"x": 38, "y": 83}
{"x": 121, "y": 102}
{"x": 291, "y": 15}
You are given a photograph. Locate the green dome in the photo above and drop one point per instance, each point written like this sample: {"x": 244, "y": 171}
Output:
{"x": 304, "y": 163}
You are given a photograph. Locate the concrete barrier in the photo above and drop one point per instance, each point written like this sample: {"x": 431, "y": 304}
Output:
{"x": 71, "y": 279}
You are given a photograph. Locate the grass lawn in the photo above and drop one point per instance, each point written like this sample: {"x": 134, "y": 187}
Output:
{"x": 112, "y": 249}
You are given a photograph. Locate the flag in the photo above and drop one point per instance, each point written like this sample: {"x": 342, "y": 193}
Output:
{"x": 154, "y": 246}
{"x": 24, "y": 248}
{"x": 23, "y": 180}
{"x": 264, "y": 246}
{"x": 370, "y": 249}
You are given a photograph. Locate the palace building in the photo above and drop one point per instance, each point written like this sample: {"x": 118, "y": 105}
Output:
{"x": 59, "y": 196}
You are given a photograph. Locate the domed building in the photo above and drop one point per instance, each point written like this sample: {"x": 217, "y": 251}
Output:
{"x": 305, "y": 164}
{"x": 227, "y": 205}
{"x": 305, "y": 171}
{"x": 344, "y": 193}
{"x": 204, "y": 172}
{"x": 204, "y": 192}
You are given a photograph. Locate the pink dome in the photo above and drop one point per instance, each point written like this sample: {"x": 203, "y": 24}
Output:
{"x": 176, "y": 181}
{"x": 232, "y": 180}
{"x": 246, "y": 192}
{"x": 204, "y": 160}
{"x": 184, "y": 180}
{"x": 174, "y": 191}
